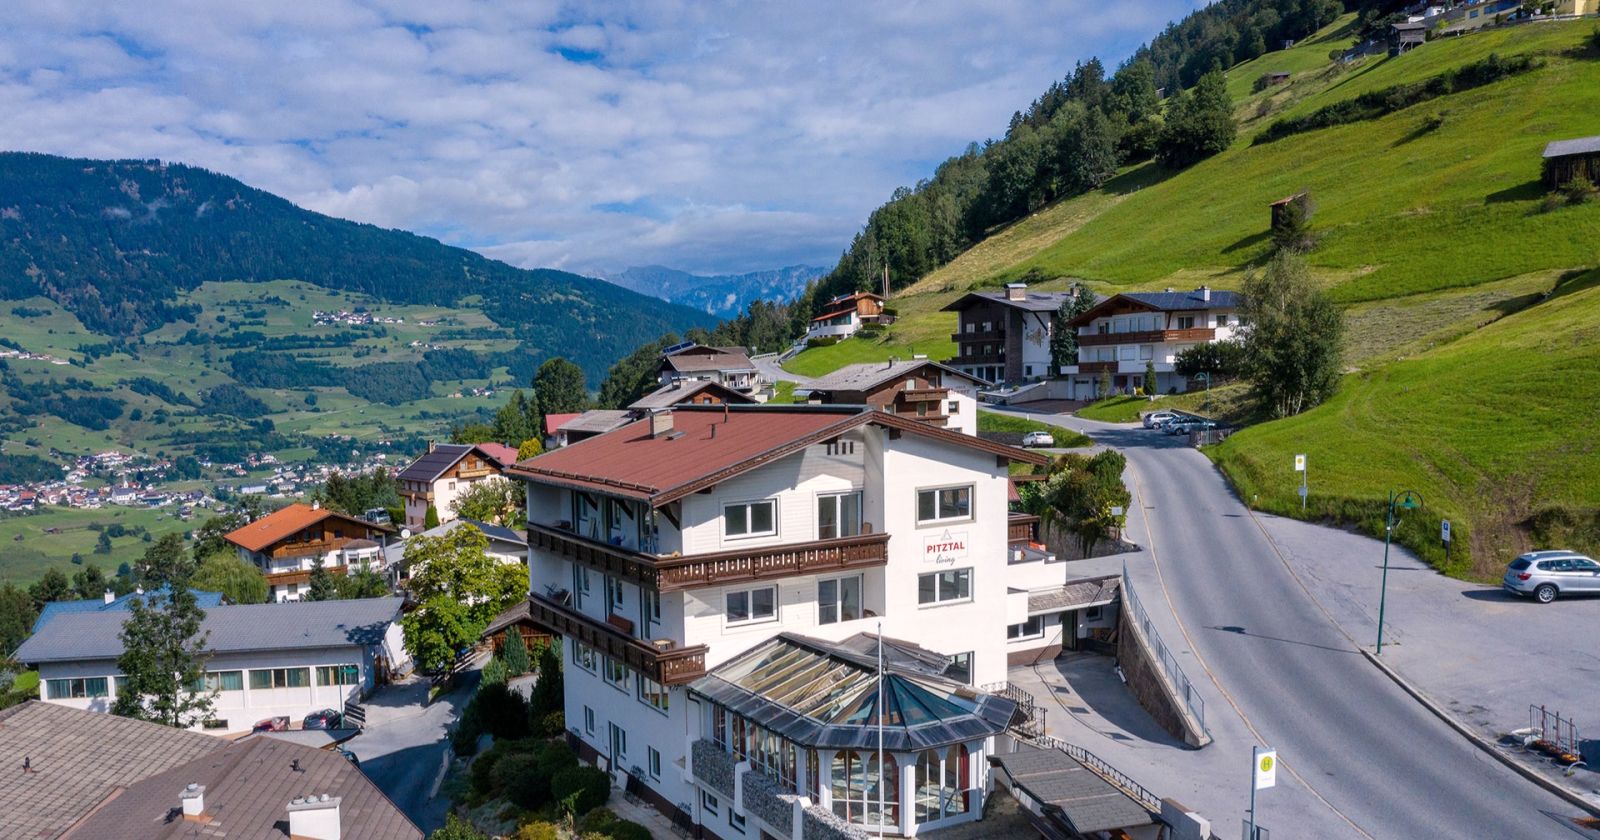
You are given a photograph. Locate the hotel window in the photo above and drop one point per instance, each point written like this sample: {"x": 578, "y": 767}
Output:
{"x": 588, "y": 720}
{"x": 649, "y": 608}
{"x": 655, "y": 763}
{"x": 1033, "y": 628}
{"x": 583, "y": 655}
{"x": 580, "y": 583}
{"x": 614, "y": 512}
{"x": 838, "y": 515}
{"x": 616, "y": 673}
{"x": 217, "y": 681}
{"x": 959, "y": 667}
{"x": 859, "y": 787}
{"x": 953, "y": 407}
{"x": 1185, "y": 322}
{"x": 719, "y": 726}
{"x": 710, "y": 803}
{"x": 748, "y": 606}
{"x": 1146, "y": 352}
{"x": 944, "y": 504}
{"x": 838, "y": 599}
{"x": 1222, "y": 320}
{"x": 941, "y": 784}
{"x": 338, "y": 675}
{"x": 944, "y": 587}
{"x": 750, "y": 519}
{"x": 988, "y": 327}
{"x": 614, "y": 594}
{"x": 78, "y": 687}
{"x": 735, "y": 822}
{"x": 652, "y": 693}
{"x": 280, "y": 678}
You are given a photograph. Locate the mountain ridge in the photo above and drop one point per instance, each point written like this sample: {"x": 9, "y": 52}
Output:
{"x": 723, "y": 295}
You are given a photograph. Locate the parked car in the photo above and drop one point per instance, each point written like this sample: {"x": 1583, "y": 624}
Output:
{"x": 1156, "y": 418}
{"x": 324, "y": 719}
{"x": 271, "y": 724}
{"x": 1038, "y": 439}
{"x": 1548, "y": 574}
{"x": 1166, "y": 422}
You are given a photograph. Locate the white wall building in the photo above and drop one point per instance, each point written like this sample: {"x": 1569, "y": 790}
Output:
{"x": 668, "y": 549}
{"x": 918, "y": 389}
{"x": 287, "y": 544}
{"x": 266, "y": 660}
{"x": 444, "y": 473}
{"x": 1124, "y": 333}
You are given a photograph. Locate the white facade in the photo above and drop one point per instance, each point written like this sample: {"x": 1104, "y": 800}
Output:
{"x": 842, "y": 325}
{"x": 1125, "y": 344}
{"x": 352, "y": 558}
{"x": 250, "y": 686}
{"x": 945, "y": 586}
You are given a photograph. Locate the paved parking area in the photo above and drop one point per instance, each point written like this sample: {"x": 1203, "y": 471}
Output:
{"x": 403, "y": 746}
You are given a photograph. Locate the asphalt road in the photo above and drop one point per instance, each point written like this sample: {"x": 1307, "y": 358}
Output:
{"x": 403, "y": 746}
{"x": 1381, "y": 764}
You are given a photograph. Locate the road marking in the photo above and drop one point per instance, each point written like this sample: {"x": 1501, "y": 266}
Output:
{"x": 1156, "y": 561}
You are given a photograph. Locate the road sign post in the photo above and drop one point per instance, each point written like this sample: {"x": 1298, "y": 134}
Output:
{"x": 1444, "y": 536}
{"x": 1263, "y": 774}
{"x": 1305, "y": 490}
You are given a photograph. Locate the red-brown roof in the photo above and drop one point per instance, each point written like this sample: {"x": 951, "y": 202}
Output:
{"x": 500, "y": 453}
{"x": 284, "y": 523}
{"x": 832, "y": 315}
{"x": 555, "y": 421}
{"x": 713, "y": 443}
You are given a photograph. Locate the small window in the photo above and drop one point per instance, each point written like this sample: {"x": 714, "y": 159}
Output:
{"x": 655, "y": 763}
{"x": 959, "y": 668}
{"x": 1033, "y": 628}
{"x": 953, "y": 407}
{"x": 583, "y": 655}
{"x": 588, "y": 720}
{"x": 616, "y": 673}
{"x": 1185, "y": 322}
{"x": 213, "y": 681}
{"x": 338, "y": 675}
{"x": 838, "y": 515}
{"x": 735, "y": 822}
{"x": 280, "y": 678}
{"x": 749, "y": 606}
{"x": 750, "y": 519}
{"x": 839, "y": 599}
{"x": 710, "y": 803}
{"x": 652, "y": 693}
{"x": 944, "y": 587}
{"x": 1146, "y": 352}
{"x": 614, "y": 594}
{"x": 944, "y": 504}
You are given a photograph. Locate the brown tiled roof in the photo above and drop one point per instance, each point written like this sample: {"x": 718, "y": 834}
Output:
{"x": 709, "y": 444}
{"x": 499, "y": 453}
{"x": 248, "y": 786}
{"x": 284, "y": 523}
{"x": 79, "y": 758}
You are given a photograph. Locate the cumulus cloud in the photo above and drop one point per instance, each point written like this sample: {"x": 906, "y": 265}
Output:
{"x": 714, "y": 136}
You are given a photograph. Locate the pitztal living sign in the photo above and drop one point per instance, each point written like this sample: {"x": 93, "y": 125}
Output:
{"x": 948, "y": 547}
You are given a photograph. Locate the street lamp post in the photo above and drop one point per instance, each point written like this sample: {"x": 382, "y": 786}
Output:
{"x": 1407, "y": 500}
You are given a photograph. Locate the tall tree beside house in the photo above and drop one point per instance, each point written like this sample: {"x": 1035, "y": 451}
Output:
{"x": 365, "y": 583}
{"x": 163, "y": 651}
{"x": 1064, "y": 339}
{"x": 472, "y": 433}
{"x": 530, "y": 448}
{"x": 558, "y": 387}
{"x": 16, "y": 617}
{"x": 357, "y": 494}
{"x": 53, "y": 586}
{"x": 1293, "y": 348}
{"x": 237, "y": 580}
{"x": 1150, "y": 378}
{"x": 90, "y": 582}
{"x": 460, "y": 587}
{"x": 1199, "y": 123}
{"x": 547, "y": 695}
{"x": 497, "y": 501}
{"x": 323, "y": 587}
{"x": 430, "y": 518}
{"x": 515, "y": 654}
{"x": 517, "y": 420}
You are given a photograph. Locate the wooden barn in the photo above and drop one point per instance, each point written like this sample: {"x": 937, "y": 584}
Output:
{"x": 1568, "y": 160}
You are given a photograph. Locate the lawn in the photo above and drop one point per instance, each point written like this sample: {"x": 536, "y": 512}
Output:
{"x": 820, "y": 361}
{"x": 1494, "y": 429}
{"x": 989, "y": 421}
{"x": 1123, "y": 409}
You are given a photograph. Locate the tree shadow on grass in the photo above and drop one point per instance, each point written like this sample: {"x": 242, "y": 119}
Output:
{"x": 1147, "y": 174}
{"x": 1250, "y": 241}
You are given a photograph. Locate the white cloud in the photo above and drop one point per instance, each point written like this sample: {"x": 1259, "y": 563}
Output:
{"x": 720, "y": 136}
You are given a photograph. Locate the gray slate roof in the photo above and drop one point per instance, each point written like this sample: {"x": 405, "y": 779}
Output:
{"x": 291, "y": 625}
{"x": 1174, "y": 301}
{"x": 1088, "y": 802}
{"x": 1031, "y": 301}
{"x": 1080, "y": 593}
{"x": 869, "y": 375}
{"x": 1580, "y": 146}
{"x": 599, "y": 421}
{"x": 679, "y": 391}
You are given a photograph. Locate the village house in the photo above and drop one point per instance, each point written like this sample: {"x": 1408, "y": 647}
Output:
{"x": 1125, "y": 333}
{"x": 444, "y": 472}
{"x": 687, "y": 392}
{"x": 265, "y": 660}
{"x": 287, "y": 543}
{"x": 595, "y": 421}
{"x": 110, "y": 602}
{"x": 727, "y": 366}
{"x": 1004, "y": 337}
{"x": 723, "y": 578}
{"x": 919, "y": 389}
{"x": 842, "y": 316}
{"x": 86, "y": 776}
{"x": 506, "y": 545}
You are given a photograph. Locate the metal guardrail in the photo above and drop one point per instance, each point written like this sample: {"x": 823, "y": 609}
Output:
{"x": 1186, "y": 689}
{"x": 1098, "y": 766}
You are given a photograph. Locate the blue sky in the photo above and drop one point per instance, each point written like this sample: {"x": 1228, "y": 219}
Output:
{"x": 712, "y": 137}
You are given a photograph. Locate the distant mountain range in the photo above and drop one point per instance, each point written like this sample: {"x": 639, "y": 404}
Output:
{"x": 722, "y": 295}
{"x": 115, "y": 242}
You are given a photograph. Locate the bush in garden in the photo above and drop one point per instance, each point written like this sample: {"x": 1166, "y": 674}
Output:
{"x": 551, "y": 725}
{"x": 556, "y": 756}
{"x": 456, "y": 828}
{"x": 603, "y": 822}
{"x": 520, "y": 780}
{"x": 587, "y": 787}
{"x": 503, "y": 712}
{"x": 515, "y": 654}
{"x": 538, "y": 830}
{"x": 494, "y": 672}
{"x": 547, "y": 692}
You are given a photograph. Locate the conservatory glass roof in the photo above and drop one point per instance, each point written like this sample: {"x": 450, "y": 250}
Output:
{"x": 827, "y": 694}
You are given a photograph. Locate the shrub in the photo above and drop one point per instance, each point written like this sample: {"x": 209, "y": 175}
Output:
{"x": 1579, "y": 190}
{"x": 603, "y": 822}
{"x": 556, "y": 756}
{"x": 464, "y": 740}
{"x": 547, "y": 692}
{"x": 581, "y": 788}
{"x": 456, "y": 828}
{"x": 520, "y": 780}
{"x": 482, "y": 771}
{"x": 551, "y": 724}
{"x": 503, "y": 712}
{"x": 539, "y": 830}
{"x": 515, "y": 654}
{"x": 494, "y": 672}
{"x": 1552, "y": 202}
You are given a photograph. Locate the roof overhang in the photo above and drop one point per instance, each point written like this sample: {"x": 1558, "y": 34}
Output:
{"x": 1100, "y": 309}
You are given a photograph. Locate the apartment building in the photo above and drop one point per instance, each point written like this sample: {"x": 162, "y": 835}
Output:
{"x": 1123, "y": 334}
{"x": 723, "y": 576}
{"x": 288, "y": 543}
{"x": 920, "y": 389}
{"x": 1004, "y": 337}
{"x": 729, "y": 367}
{"x": 444, "y": 472}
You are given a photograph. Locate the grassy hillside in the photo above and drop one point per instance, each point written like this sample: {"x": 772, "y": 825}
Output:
{"x": 1471, "y": 330}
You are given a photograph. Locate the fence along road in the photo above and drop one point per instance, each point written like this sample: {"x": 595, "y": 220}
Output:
{"x": 1369, "y": 751}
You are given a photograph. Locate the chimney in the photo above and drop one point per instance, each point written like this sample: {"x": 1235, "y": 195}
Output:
{"x": 1016, "y": 291}
{"x": 660, "y": 423}
{"x": 110, "y": 596}
{"x": 193, "y": 800}
{"x": 431, "y": 445}
{"x": 316, "y": 505}
{"x": 314, "y": 818}
{"x": 1205, "y": 293}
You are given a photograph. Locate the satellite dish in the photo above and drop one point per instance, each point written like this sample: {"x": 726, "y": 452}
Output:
{"x": 405, "y": 533}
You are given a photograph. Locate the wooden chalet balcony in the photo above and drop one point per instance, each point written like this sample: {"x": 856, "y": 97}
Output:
{"x": 1097, "y": 367}
{"x": 300, "y": 575}
{"x": 670, "y": 574}
{"x": 1147, "y": 337}
{"x": 924, "y": 395}
{"x": 301, "y": 549}
{"x": 998, "y": 336}
{"x": 1022, "y": 528}
{"x": 660, "y": 661}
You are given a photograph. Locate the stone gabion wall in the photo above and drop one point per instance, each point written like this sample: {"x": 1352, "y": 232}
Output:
{"x": 820, "y": 824}
{"x": 714, "y": 767}
{"x": 767, "y": 801}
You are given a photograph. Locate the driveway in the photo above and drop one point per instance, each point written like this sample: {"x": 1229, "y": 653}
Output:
{"x": 767, "y": 365}
{"x": 1361, "y": 757}
{"x": 403, "y": 746}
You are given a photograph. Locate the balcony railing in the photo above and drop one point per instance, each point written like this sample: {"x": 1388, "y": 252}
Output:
{"x": 924, "y": 395}
{"x": 301, "y": 549}
{"x": 662, "y": 662}
{"x": 1147, "y": 337}
{"x": 670, "y": 574}
{"x": 1022, "y": 528}
{"x": 1097, "y": 367}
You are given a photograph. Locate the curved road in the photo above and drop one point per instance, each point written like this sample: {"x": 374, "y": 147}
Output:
{"x": 1381, "y": 763}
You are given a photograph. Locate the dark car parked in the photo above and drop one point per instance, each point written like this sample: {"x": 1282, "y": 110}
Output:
{"x": 324, "y": 719}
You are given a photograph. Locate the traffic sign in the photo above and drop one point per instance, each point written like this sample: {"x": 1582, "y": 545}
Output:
{"x": 1444, "y": 530}
{"x": 1266, "y": 768}
{"x": 1299, "y": 463}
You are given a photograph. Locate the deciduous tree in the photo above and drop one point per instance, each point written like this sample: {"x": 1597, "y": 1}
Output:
{"x": 164, "y": 653}
{"x": 16, "y": 617}
{"x": 1293, "y": 347}
{"x": 558, "y": 387}
{"x": 1199, "y": 123}
{"x": 461, "y": 588}
{"x": 237, "y": 580}
{"x": 53, "y": 586}
{"x": 495, "y": 500}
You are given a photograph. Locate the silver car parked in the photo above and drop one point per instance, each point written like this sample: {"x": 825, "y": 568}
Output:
{"x": 1547, "y": 574}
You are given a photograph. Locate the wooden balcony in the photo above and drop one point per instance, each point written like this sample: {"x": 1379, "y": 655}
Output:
{"x": 659, "y": 661}
{"x": 300, "y": 575}
{"x": 998, "y": 336}
{"x": 924, "y": 395}
{"x": 670, "y": 574}
{"x": 1097, "y": 367}
{"x": 302, "y": 549}
{"x": 1022, "y": 528}
{"x": 1147, "y": 337}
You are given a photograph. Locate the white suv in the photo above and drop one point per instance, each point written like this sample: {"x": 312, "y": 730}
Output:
{"x": 1546, "y": 574}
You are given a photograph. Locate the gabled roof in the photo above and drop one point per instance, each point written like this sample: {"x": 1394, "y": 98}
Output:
{"x": 827, "y": 315}
{"x": 443, "y": 456}
{"x": 869, "y": 375}
{"x": 683, "y": 390}
{"x": 596, "y": 421}
{"x": 55, "y": 609}
{"x": 231, "y": 628}
{"x": 710, "y": 444}
{"x": 554, "y": 421}
{"x": 286, "y": 522}
{"x": 78, "y": 758}
{"x": 1580, "y": 146}
{"x": 1162, "y": 302}
{"x": 702, "y": 358}
{"x": 1031, "y": 301}
{"x": 248, "y": 787}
